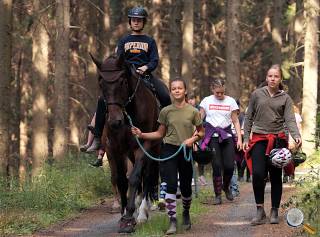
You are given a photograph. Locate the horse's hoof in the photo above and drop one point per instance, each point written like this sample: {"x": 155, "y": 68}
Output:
{"x": 127, "y": 225}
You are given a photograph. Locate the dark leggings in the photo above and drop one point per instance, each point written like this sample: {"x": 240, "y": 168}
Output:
{"x": 101, "y": 112}
{"x": 169, "y": 171}
{"x": 260, "y": 168}
{"x": 224, "y": 159}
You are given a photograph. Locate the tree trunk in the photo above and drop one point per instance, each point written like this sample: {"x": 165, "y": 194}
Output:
{"x": 40, "y": 51}
{"x": 204, "y": 51}
{"x": 310, "y": 76}
{"x": 175, "y": 39}
{"x": 117, "y": 15}
{"x": 233, "y": 49}
{"x": 61, "y": 114}
{"x": 295, "y": 81}
{"x": 23, "y": 78}
{"x": 276, "y": 31}
{"x": 187, "y": 44}
{"x": 5, "y": 78}
{"x": 164, "y": 64}
{"x": 105, "y": 30}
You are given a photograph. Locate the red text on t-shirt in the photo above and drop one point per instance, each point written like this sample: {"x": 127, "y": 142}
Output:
{"x": 219, "y": 107}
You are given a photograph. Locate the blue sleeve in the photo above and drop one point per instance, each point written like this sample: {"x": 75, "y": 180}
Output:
{"x": 154, "y": 56}
{"x": 120, "y": 47}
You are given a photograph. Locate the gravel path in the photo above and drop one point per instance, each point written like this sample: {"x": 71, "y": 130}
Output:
{"x": 231, "y": 219}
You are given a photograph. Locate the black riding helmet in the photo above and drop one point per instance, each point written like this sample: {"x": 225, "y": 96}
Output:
{"x": 138, "y": 12}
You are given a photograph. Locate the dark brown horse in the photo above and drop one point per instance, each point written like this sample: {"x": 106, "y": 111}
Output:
{"x": 125, "y": 93}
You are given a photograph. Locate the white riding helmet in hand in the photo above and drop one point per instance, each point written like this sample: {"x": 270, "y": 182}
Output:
{"x": 280, "y": 157}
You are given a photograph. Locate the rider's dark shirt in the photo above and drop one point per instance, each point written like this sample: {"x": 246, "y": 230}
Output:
{"x": 139, "y": 50}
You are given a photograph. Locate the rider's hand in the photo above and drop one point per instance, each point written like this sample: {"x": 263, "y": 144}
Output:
{"x": 136, "y": 131}
{"x": 142, "y": 70}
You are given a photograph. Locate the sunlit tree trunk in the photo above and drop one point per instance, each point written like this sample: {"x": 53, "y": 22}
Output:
{"x": 175, "y": 38}
{"x": 40, "y": 51}
{"x": 105, "y": 29}
{"x": 164, "y": 64}
{"x": 61, "y": 90}
{"x": 23, "y": 78}
{"x": 233, "y": 48}
{"x": 187, "y": 44}
{"x": 296, "y": 38}
{"x": 276, "y": 31}
{"x": 310, "y": 76}
{"x": 5, "y": 78}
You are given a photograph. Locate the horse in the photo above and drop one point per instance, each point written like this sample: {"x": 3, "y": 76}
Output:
{"x": 128, "y": 99}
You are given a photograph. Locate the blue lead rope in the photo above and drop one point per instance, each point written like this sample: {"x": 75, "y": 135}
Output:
{"x": 188, "y": 157}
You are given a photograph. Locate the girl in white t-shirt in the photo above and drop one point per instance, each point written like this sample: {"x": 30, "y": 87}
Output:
{"x": 220, "y": 112}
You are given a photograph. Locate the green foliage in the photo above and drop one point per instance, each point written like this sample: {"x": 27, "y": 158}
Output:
{"x": 59, "y": 191}
{"x": 308, "y": 198}
{"x": 290, "y": 13}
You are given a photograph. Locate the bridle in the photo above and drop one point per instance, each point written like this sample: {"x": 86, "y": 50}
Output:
{"x": 130, "y": 98}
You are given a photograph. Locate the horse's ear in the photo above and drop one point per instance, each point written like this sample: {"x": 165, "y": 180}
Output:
{"x": 96, "y": 61}
{"x": 121, "y": 60}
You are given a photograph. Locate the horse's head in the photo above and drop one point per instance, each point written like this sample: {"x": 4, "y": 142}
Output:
{"x": 114, "y": 86}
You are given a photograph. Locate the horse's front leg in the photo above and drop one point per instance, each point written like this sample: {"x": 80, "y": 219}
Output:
{"x": 134, "y": 183}
{"x": 135, "y": 178}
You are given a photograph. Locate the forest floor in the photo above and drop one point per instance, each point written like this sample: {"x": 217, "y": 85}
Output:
{"x": 231, "y": 219}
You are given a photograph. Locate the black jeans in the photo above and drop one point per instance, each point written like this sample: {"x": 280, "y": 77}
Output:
{"x": 260, "y": 168}
{"x": 169, "y": 171}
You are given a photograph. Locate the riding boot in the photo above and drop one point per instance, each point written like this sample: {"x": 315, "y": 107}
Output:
{"x": 217, "y": 200}
{"x": 260, "y": 216}
{"x": 217, "y": 186}
{"x": 173, "y": 226}
{"x": 84, "y": 148}
{"x": 186, "y": 203}
{"x": 274, "y": 218}
{"x": 96, "y": 144}
{"x": 98, "y": 162}
{"x": 226, "y": 187}
{"x": 186, "y": 222}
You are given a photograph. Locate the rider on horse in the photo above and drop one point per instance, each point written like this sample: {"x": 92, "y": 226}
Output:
{"x": 140, "y": 51}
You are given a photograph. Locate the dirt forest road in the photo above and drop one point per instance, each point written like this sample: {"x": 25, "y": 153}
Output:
{"x": 231, "y": 219}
